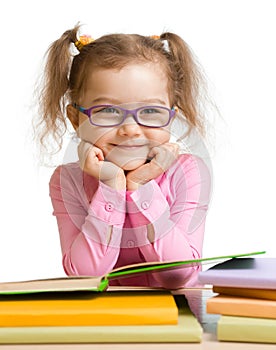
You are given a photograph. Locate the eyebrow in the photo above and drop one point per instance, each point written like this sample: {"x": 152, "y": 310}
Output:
{"x": 103, "y": 99}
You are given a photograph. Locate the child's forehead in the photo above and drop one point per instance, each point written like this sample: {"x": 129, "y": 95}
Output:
{"x": 146, "y": 76}
{"x": 130, "y": 68}
{"x": 137, "y": 82}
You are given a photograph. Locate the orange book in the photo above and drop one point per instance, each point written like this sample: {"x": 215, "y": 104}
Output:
{"x": 89, "y": 309}
{"x": 239, "y": 306}
{"x": 246, "y": 292}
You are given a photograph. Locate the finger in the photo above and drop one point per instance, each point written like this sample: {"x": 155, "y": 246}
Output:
{"x": 169, "y": 146}
{"x": 170, "y": 149}
{"x": 173, "y": 148}
{"x": 153, "y": 152}
{"x": 164, "y": 155}
{"x": 83, "y": 150}
{"x": 109, "y": 171}
{"x": 98, "y": 153}
{"x": 88, "y": 155}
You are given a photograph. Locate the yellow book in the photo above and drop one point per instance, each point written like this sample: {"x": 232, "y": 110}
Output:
{"x": 88, "y": 309}
{"x": 246, "y": 329}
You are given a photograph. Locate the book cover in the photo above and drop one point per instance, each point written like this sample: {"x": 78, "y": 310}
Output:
{"x": 242, "y": 272}
{"x": 88, "y": 309}
{"x": 187, "y": 329}
{"x": 246, "y": 292}
{"x": 238, "y": 306}
{"x": 246, "y": 329}
{"x": 89, "y": 283}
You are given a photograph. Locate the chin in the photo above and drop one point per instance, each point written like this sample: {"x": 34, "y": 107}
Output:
{"x": 131, "y": 164}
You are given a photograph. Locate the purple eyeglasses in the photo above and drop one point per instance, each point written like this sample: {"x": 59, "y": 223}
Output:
{"x": 110, "y": 115}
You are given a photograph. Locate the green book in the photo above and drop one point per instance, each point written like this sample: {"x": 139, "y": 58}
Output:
{"x": 187, "y": 330}
{"x": 101, "y": 283}
{"x": 246, "y": 329}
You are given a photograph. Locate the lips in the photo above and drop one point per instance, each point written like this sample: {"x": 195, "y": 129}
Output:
{"x": 130, "y": 145}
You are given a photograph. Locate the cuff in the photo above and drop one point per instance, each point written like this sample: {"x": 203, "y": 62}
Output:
{"x": 146, "y": 204}
{"x": 108, "y": 205}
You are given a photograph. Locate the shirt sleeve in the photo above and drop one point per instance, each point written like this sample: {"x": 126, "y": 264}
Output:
{"x": 90, "y": 233}
{"x": 174, "y": 212}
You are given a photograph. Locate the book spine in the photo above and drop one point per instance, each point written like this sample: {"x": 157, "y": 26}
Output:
{"x": 109, "y": 334}
{"x": 245, "y": 329}
{"x": 246, "y": 292}
{"x": 98, "y": 318}
{"x": 236, "y": 306}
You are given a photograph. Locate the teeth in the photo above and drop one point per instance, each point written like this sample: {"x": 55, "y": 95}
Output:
{"x": 131, "y": 144}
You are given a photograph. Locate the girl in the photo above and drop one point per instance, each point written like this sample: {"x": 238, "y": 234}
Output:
{"x": 131, "y": 197}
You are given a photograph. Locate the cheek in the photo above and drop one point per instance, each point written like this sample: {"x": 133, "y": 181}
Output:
{"x": 158, "y": 136}
{"x": 93, "y": 134}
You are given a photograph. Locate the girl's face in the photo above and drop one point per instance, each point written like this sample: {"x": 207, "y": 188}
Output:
{"x": 128, "y": 144}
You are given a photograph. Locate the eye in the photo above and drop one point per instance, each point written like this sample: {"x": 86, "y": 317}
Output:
{"x": 106, "y": 111}
{"x": 150, "y": 111}
{"x": 111, "y": 110}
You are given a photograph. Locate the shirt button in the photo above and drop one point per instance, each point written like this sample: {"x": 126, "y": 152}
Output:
{"x": 109, "y": 207}
{"x": 130, "y": 244}
{"x": 145, "y": 205}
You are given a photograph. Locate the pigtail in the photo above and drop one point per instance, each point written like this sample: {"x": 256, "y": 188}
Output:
{"x": 54, "y": 90}
{"x": 187, "y": 78}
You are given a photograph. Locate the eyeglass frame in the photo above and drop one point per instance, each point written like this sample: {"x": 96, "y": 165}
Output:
{"x": 172, "y": 111}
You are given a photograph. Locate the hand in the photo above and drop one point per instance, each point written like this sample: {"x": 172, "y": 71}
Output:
{"x": 162, "y": 157}
{"x": 92, "y": 162}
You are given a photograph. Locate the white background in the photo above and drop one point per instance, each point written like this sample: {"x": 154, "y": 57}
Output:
{"x": 235, "y": 42}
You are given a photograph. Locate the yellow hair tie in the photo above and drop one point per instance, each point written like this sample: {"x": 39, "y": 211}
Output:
{"x": 83, "y": 40}
{"x": 155, "y": 37}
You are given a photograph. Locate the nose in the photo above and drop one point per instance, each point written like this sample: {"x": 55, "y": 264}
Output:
{"x": 130, "y": 127}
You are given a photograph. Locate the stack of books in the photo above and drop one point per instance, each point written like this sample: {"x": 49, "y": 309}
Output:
{"x": 245, "y": 300}
{"x": 89, "y": 317}
{"x": 82, "y": 310}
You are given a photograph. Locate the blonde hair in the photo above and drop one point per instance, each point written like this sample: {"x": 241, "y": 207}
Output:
{"x": 65, "y": 74}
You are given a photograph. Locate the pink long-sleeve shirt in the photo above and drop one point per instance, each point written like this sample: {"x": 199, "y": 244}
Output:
{"x": 101, "y": 228}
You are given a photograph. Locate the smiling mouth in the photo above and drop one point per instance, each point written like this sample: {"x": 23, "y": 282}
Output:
{"x": 130, "y": 146}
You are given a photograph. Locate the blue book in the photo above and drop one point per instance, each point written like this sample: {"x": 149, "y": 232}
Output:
{"x": 244, "y": 272}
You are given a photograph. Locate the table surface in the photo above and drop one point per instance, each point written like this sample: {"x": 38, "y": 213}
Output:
{"x": 197, "y": 301}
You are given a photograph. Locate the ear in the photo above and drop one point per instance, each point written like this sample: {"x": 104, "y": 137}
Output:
{"x": 73, "y": 116}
